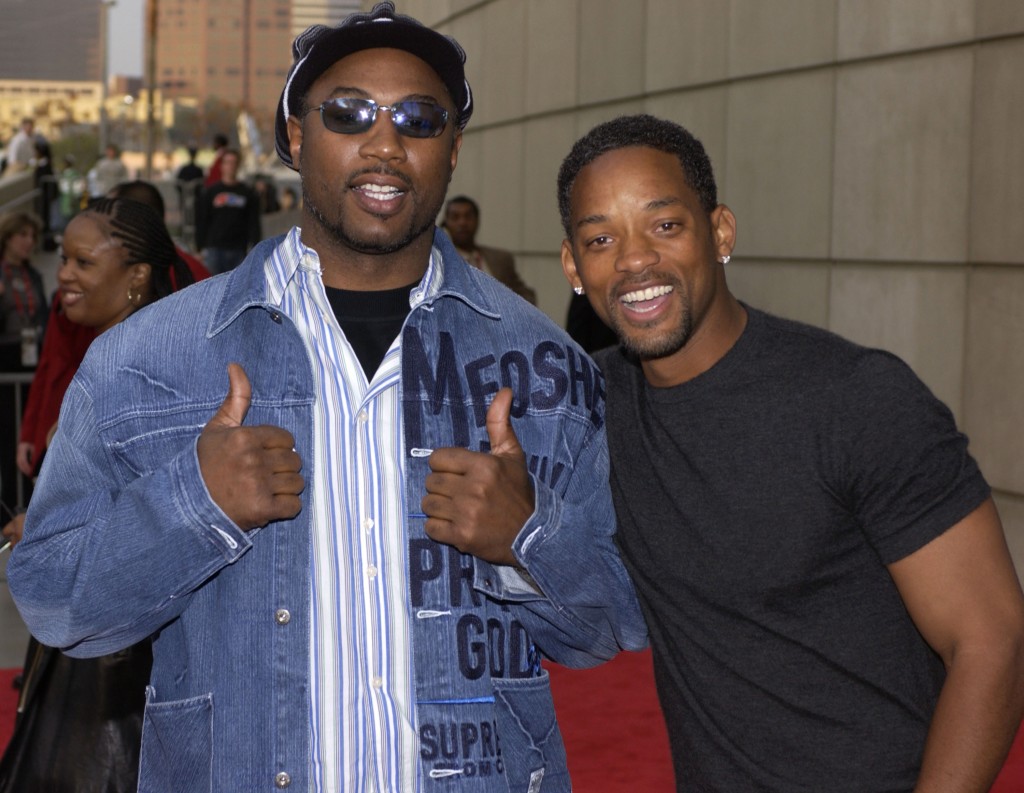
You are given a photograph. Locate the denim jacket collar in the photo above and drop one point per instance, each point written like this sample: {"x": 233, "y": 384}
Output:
{"x": 448, "y": 275}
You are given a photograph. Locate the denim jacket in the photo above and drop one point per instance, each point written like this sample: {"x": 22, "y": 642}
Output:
{"x": 123, "y": 541}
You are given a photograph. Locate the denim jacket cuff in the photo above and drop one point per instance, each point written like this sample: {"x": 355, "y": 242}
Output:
{"x": 518, "y": 584}
{"x": 200, "y": 510}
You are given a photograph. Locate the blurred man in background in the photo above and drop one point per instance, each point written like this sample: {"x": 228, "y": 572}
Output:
{"x": 461, "y": 221}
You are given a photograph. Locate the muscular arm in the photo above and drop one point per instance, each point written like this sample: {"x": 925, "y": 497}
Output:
{"x": 962, "y": 592}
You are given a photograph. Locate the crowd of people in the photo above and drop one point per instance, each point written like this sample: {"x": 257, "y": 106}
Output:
{"x": 315, "y": 522}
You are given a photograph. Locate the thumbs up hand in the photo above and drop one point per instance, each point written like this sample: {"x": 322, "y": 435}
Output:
{"x": 252, "y": 473}
{"x": 478, "y": 501}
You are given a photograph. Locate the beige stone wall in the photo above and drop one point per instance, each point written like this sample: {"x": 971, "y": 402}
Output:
{"x": 872, "y": 150}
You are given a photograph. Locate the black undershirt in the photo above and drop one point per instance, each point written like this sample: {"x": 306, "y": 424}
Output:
{"x": 370, "y": 320}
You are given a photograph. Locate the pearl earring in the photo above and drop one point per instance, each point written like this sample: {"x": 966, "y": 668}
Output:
{"x": 725, "y": 259}
{"x": 578, "y": 290}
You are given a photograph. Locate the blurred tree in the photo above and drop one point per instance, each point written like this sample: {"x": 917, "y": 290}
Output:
{"x": 220, "y": 115}
{"x": 187, "y": 128}
{"x": 83, "y": 146}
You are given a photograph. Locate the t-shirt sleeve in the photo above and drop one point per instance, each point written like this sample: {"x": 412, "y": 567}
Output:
{"x": 908, "y": 471}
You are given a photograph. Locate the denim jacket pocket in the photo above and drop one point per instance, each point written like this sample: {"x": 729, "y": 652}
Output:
{"x": 177, "y": 745}
{"x": 531, "y": 744}
{"x": 138, "y": 447}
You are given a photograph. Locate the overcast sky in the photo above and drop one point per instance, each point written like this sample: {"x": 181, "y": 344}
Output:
{"x": 126, "y": 34}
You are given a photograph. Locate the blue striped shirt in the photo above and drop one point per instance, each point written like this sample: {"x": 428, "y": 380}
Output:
{"x": 362, "y": 694}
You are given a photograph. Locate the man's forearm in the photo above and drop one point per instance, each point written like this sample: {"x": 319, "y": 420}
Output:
{"x": 975, "y": 722}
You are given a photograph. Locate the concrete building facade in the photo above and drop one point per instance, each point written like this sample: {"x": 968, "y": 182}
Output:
{"x": 871, "y": 150}
{"x": 320, "y": 12}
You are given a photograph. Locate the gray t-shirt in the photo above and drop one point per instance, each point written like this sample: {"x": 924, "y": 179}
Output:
{"x": 758, "y": 507}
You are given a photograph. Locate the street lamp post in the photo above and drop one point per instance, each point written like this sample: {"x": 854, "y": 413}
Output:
{"x": 105, "y": 6}
{"x": 152, "y": 14}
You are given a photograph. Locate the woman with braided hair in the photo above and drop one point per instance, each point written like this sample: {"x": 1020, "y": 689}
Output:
{"x": 79, "y": 722}
{"x": 117, "y": 257}
{"x": 65, "y": 344}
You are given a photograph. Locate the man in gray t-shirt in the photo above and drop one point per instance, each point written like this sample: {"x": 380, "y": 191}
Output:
{"x": 829, "y": 596}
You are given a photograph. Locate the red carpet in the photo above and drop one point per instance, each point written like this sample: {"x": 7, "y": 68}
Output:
{"x": 8, "y": 704}
{"x": 611, "y": 725}
{"x": 1011, "y": 779}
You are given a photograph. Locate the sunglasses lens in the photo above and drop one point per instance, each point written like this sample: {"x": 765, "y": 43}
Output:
{"x": 419, "y": 119}
{"x": 414, "y": 119}
{"x": 347, "y": 116}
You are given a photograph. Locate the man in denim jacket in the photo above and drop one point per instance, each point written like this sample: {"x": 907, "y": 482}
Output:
{"x": 353, "y": 562}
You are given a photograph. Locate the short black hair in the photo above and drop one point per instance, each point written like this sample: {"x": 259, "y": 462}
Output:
{"x": 638, "y": 130}
{"x": 463, "y": 199}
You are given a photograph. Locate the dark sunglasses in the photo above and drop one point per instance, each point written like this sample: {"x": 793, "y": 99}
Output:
{"x": 412, "y": 118}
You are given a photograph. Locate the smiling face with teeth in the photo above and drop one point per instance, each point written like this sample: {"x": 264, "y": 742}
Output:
{"x": 646, "y": 253}
{"x": 370, "y": 199}
{"x": 95, "y": 282}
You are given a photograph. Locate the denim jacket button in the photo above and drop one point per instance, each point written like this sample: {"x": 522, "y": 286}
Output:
{"x": 282, "y": 780}
{"x": 276, "y": 317}
{"x": 283, "y": 616}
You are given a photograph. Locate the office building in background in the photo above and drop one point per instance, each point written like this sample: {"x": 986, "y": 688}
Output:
{"x": 50, "y": 40}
